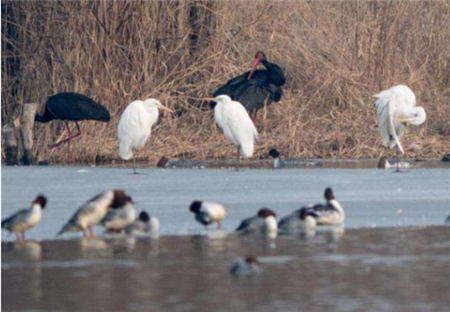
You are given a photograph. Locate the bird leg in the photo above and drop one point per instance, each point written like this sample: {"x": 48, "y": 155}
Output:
{"x": 91, "y": 232}
{"x": 23, "y": 236}
{"x": 69, "y": 138}
{"x": 134, "y": 165}
{"x": 219, "y": 225}
{"x": 396, "y": 154}
{"x": 238, "y": 159}
{"x": 84, "y": 232}
{"x": 253, "y": 115}
{"x": 18, "y": 238}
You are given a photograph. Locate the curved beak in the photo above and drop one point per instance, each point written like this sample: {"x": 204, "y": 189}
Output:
{"x": 210, "y": 99}
{"x": 405, "y": 120}
{"x": 165, "y": 108}
{"x": 255, "y": 65}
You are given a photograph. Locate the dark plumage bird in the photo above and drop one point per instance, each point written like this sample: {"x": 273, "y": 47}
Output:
{"x": 255, "y": 88}
{"x": 69, "y": 106}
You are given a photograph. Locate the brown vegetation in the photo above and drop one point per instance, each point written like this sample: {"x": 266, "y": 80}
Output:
{"x": 336, "y": 55}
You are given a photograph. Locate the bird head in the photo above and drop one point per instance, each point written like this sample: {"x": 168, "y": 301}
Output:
{"x": 195, "y": 206}
{"x": 40, "y": 200}
{"x": 329, "y": 194}
{"x": 157, "y": 104}
{"x": 120, "y": 199}
{"x": 266, "y": 212}
{"x": 418, "y": 117}
{"x": 274, "y": 153}
{"x": 259, "y": 57}
{"x": 144, "y": 217}
{"x": 220, "y": 99}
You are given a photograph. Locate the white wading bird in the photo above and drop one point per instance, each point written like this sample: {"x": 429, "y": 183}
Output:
{"x": 396, "y": 109}
{"x": 94, "y": 210}
{"x": 236, "y": 124}
{"x": 135, "y": 126}
{"x": 25, "y": 219}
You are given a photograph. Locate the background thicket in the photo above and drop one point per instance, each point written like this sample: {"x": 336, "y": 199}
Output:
{"x": 336, "y": 55}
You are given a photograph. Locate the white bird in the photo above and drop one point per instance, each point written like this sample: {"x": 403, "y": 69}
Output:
{"x": 396, "y": 109}
{"x": 207, "y": 212}
{"x": 135, "y": 126}
{"x": 94, "y": 210}
{"x": 236, "y": 124}
{"x": 25, "y": 219}
{"x": 119, "y": 218}
{"x": 302, "y": 221}
{"x": 265, "y": 222}
{"x": 331, "y": 213}
{"x": 144, "y": 224}
{"x": 246, "y": 267}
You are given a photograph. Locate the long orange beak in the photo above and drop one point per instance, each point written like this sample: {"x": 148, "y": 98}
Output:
{"x": 255, "y": 65}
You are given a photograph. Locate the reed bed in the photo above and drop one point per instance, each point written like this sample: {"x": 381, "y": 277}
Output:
{"x": 336, "y": 55}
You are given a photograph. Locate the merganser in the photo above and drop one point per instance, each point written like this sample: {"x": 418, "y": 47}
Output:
{"x": 264, "y": 222}
{"x": 207, "y": 212}
{"x": 300, "y": 221}
{"x": 94, "y": 210}
{"x": 331, "y": 213}
{"x": 383, "y": 163}
{"x": 25, "y": 219}
{"x": 119, "y": 218}
{"x": 277, "y": 162}
{"x": 144, "y": 224}
{"x": 244, "y": 267}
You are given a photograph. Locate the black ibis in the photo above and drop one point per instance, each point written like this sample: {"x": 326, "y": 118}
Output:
{"x": 69, "y": 106}
{"x": 255, "y": 88}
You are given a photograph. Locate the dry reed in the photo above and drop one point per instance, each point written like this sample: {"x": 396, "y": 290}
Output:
{"x": 336, "y": 55}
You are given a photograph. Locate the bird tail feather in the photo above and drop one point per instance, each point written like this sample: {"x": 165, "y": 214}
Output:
{"x": 125, "y": 151}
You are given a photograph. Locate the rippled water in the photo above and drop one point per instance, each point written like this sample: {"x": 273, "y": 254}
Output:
{"x": 388, "y": 269}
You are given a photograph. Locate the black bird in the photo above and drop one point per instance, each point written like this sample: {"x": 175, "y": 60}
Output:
{"x": 69, "y": 106}
{"x": 255, "y": 88}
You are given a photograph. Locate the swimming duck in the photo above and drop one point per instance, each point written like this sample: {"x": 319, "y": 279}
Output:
{"x": 277, "y": 162}
{"x": 331, "y": 213}
{"x": 265, "y": 222}
{"x": 144, "y": 224}
{"x": 94, "y": 210}
{"x": 25, "y": 219}
{"x": 207, "y": 212}
{"x": 300, "y": 221}
{"x": 244, "y": 267}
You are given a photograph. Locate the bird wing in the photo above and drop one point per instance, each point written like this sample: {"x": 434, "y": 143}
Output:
{"x": 250, "y": 225}
{"x": 15, "y": 218}
{"x": 74, "y": 106}
{"x": 241, "y": 129}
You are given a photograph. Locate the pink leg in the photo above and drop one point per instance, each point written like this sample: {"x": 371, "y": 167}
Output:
{"x": 23, "y": 236}
{"x": 18, "y": 238}
{"x": 253, "y": 115}
{"x": 69, "y": 138}
{"x": 91, "y": 232}
{"x": 84, "y": 232}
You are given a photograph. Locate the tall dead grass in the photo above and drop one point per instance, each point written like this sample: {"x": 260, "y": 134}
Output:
{"x": 336, "y": 55}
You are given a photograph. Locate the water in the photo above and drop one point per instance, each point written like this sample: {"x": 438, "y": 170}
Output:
{"x": 371, "y": 197}
{"x": 381, "y": 269}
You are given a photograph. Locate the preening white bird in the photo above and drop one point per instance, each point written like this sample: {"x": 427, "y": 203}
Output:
{"x": 236, "y": 124}
{"x": 135, "y": 126}
{"x": 396, "y": 109}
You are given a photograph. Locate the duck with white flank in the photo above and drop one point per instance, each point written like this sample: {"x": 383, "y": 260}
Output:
{"x": 277, "y": 162}
{"x": 331, "y": 213}
{"x": 94, "y": 210}
{"x": 144, "y": 224}
{"x": 207, "y": 212}
{"x": 245, "y": 267}
{"x": 265, "y": 222}
{"x": 119, "y": 218}
{"x": 25, "y": 219}
{"x": 300, "y": 221}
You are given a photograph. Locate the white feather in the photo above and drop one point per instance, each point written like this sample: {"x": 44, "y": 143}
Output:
{"x": 236, "y": 124}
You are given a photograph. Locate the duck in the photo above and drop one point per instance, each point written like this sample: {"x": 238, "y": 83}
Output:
{"x": 94, "y": 210}
{"x": 383, "y": 163}
{"x": 245, "y": 267}
{"x": 265, "y": 222}
{"x": 144, "y": 224}
{"x": 332, "y": 213}
{"x": 119, "y": 218}
{"x": 277, "y": 162}
{"x": 23, "y": 220}
{"x": 208, "y": 212}
{"x": 300, "y": 221}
